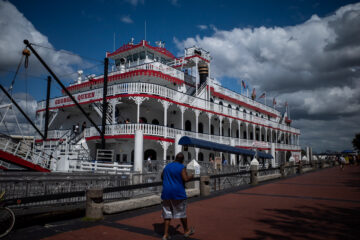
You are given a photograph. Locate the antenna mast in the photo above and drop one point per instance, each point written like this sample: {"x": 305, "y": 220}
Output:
{"x": 145, "y": 30}
{"x": 114, "y": 41}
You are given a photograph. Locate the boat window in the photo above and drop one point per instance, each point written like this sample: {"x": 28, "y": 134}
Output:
{"x": 117, "y": 62}
{"x": 200, "y": 128}
{"x": 220, "y": 103}
{"x": 150, "y": 55}
{"x": 135, "y": 56}
{"x": 155, "y": 121}
{"x": 129, "y": 58}
{"x": 163, "y": 60}
{"x": 229, "y": 106}
{"x": 142, "y": 55}
{"x": 200, "y": 156}
{"x": 187, "y": 125}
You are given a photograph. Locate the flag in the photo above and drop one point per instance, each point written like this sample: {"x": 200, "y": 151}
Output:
{"x": 253, "y": 95}
{"x": 274, "y": 101}
{"x": 262, "y": 95}
{"x": 243, "y": 83}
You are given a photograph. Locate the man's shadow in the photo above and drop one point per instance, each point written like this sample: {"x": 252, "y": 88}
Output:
{"x": 159, "y": 229}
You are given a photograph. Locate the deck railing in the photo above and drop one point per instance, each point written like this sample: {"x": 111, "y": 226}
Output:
{"x": 154, "y": 89}
{"x": 161, "y": 131}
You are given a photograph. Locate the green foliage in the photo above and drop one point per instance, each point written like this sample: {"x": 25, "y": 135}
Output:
{"x": 356, "y": 142}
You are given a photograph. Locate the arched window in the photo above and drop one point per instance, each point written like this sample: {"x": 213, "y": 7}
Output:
{"x": 220, "y": 103}
{"x": 200, "y": 128}
{"x": 212, "y": 156}
{"x": 245, "y": 135}
{"x": 244, "y": 111}
{"x": 229, "y": 132}
{"x": 155, "y": 121}
{"x": 212, "y": 129}
{"x": 229, "y": 106}
{"x": 187, "y": 125}
{"x": 211, "y": 100}
{"x": 143, "y": 120}
{"x": 250, "y": 113}
{"x": 237, "y": 133}
{"x": 237, "y": 108}
{"x": 200, "y": 156}
{"x": 189, "y": 156}
{"x": 150, "y": 153}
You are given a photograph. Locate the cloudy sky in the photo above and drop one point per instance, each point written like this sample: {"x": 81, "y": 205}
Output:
{"x": 304, "y": 52}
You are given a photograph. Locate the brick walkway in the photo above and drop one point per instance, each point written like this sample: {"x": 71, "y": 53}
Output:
{"x": 318, "y": 205}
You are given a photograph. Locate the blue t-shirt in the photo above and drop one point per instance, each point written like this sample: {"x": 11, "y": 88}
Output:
{"x": 173, "y": 184}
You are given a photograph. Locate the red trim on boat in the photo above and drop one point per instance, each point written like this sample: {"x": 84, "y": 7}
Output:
{"x": 5, "y": 156}
{"x": 127, "y": 136}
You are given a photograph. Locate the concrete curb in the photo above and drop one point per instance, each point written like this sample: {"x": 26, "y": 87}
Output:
{"x": 131, "y": 204}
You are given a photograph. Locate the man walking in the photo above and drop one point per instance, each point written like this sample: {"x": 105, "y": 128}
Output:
{"x": 174, "y": 196}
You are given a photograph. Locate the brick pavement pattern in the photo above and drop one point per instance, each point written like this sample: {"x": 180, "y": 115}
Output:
{"x": 319, "y": 205}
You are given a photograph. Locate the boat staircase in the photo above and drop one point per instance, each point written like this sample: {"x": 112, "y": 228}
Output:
{"x": 15, "y": 154}
{"x": 99, "y": 110}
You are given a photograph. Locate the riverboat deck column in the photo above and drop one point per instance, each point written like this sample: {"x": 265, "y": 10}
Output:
{"x": 230, "y": 121}
{"x": 209, "y": 116}
{"x": 182, "y": 109}
{"x": 221, "y": 133}
{"x": 239, "y": 129}
{"x": 138, "y": 101}
{"x": 138, "y": 151}
{"x": 197, "y": 113}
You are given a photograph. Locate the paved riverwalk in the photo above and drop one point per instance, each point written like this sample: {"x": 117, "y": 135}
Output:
{"x": 319, "y": 205}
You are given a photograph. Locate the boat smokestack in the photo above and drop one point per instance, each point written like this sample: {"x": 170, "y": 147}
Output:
{"x": 203, "y": 72}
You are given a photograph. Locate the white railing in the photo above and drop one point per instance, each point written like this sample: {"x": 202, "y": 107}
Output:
{"x": 161, "y": 131}
{"x": 102, "y": 167}
{"x": 153, "y": 89}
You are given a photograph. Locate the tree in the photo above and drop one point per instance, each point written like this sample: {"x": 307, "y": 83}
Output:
{"x": 356, "y": 141}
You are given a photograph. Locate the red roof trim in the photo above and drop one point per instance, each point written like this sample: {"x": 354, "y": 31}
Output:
{"x": 140, "y": 72}
{"x": 127, "y": 47}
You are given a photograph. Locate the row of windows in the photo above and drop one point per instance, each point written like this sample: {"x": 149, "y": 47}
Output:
{"x": 238, "y": 109}
{"x": 141, "y": 56}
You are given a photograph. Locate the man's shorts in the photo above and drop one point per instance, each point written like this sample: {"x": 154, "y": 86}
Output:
{"x": 174, "y": 208}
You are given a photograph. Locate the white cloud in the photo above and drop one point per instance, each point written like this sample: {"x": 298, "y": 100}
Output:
{"x": 202, "y": 27}
{"x": 14, "y": 29}
{"x": 135, "y": 2}
{"x": 314, "y": 65}
{"x": 174, "y": 2}
{"x": 126, "y": 19}
{"x": 14, "y": 122}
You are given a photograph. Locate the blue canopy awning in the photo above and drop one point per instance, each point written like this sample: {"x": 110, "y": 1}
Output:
{"x": 264, "y": 155}
{"x": 194, "y": 142}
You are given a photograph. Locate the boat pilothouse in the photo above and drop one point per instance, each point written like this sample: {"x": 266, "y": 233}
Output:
{"x": 161, "y": 97}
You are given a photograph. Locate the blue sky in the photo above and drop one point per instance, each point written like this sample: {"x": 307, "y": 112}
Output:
{"x": 304, "y": 52}
{"x": 87, "y": 27}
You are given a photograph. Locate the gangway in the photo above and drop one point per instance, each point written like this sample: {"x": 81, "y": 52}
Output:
{"x": 23, "y": 155}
